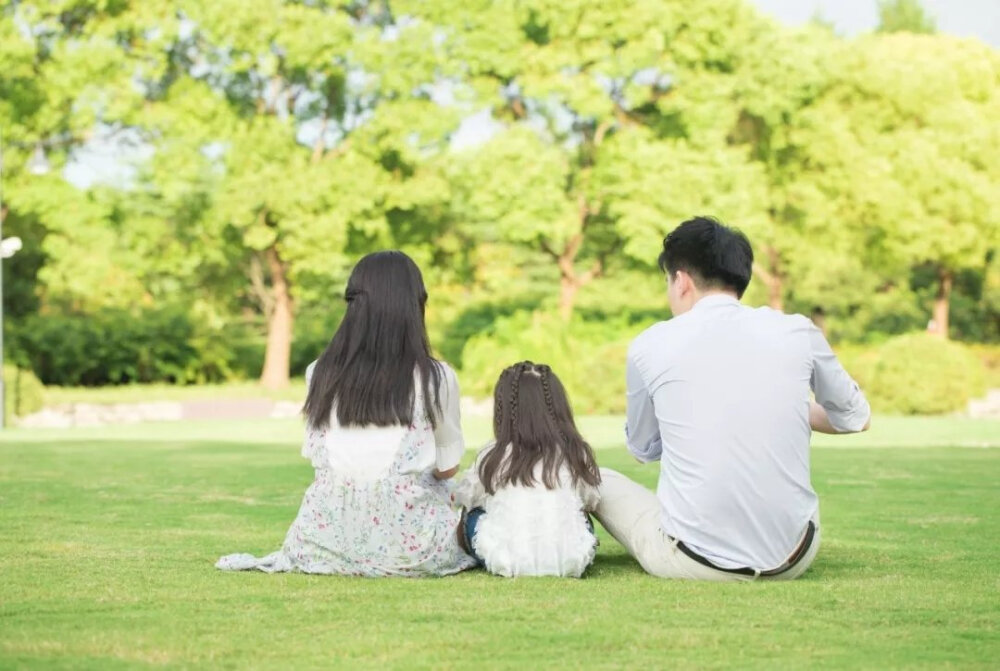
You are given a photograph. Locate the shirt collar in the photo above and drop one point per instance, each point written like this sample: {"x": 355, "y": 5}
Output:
{"x": 713, "y": 300}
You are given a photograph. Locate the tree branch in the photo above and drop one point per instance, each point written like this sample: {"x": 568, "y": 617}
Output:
{"x": 258, "y": 286}
{"x": 517, "y": 107}
{"x": 547, "y": 248}
{"x": 320, "y": 145}
{"x": 602, "y": 130}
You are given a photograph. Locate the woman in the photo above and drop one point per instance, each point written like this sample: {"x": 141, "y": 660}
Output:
{"x": 383, "y": 434}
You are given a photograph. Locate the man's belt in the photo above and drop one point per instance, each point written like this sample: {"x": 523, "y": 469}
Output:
{"x": 794, "y": 559}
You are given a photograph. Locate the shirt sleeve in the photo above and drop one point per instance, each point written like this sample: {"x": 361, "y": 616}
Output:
{"x": 835, "y": 390}
{"x": 314, "y": 445}
{"x": 470, "y": 492}
{"x": 448, "y": 430}
{"x": 642, "y": 431}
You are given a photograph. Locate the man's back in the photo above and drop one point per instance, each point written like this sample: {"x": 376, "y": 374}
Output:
{"x": 729, "y": 396}
{"x": 720, "y": 395}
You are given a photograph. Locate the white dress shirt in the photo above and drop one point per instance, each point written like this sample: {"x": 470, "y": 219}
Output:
{"x": 720, "y": 395}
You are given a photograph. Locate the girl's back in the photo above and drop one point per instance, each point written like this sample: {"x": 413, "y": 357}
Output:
{"x": 528, "y": 500}
{"x": 532, "y": 530}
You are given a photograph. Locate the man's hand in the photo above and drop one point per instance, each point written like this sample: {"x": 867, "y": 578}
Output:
{"x": 819, "y": 421}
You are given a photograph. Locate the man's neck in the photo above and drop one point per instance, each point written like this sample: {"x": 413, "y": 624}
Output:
{"x": 712, "y": 293}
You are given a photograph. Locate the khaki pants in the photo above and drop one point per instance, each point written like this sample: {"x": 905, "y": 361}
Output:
{"x": 631, "y": 513}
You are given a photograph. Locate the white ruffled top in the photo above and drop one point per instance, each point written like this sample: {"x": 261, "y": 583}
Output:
{"x": 531, "y": 531}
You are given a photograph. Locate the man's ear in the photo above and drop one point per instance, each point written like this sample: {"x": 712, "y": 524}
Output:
{"x": 683, "y": 282}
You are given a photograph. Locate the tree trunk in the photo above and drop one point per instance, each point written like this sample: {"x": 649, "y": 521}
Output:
{"x": 819, "y": 319}
{"x": 941, "y": 303}
{"x": 775, "y": 292}
{"x": 775, "y": 285}
{"x": 278, "y": 353}
{"x": 568, "y": 288}
{"x": 570, "y": 280}
{"x": 771, "y": 276}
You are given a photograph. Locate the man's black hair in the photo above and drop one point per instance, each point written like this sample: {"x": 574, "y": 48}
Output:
{"x": 716, "y": 256}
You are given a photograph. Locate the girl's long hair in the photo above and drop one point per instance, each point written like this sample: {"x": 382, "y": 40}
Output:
{"x": 533, "y": 423}
{"x": 367, "y": 372}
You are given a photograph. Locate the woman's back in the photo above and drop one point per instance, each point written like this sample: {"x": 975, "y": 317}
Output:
{"x": 383, "y": 434}
{"x": 375, "y": 507}
{"x": 371, "y": 451}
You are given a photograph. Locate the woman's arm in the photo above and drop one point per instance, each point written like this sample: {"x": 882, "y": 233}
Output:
{"x": 470, "y": 491}
{"x": 448, "y": 439}
{"x": 444, "y": 475}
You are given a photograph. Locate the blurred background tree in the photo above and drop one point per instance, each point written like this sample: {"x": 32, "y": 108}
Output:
{"x": 238, "y": 157}
{"x": 904, "y": 16}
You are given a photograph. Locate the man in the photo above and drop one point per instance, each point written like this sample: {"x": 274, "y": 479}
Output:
{"x": 720, "y": 395}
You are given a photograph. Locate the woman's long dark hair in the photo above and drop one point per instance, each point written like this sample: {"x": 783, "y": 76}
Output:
{"x": 367, "y": 370}
{"x": 532, "y": 423}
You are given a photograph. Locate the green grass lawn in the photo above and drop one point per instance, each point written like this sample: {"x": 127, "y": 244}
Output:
{"x": 108, "y": 536}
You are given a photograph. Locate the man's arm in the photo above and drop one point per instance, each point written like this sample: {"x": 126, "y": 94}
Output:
{"x": 820, "y": 421}
{"x": 840, "y": 405}
{"x": 642, "y": 431}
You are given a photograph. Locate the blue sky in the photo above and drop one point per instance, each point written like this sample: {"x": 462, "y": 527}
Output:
{"x": 967, "y": 18}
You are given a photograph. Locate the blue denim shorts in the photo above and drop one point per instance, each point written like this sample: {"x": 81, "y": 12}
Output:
{"x": 471, "y": 524}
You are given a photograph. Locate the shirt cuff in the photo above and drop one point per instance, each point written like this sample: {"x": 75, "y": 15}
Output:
{"x": 449, "y": 456}
{"x": 849, "y": 421}
{"x": 650, "y": 452}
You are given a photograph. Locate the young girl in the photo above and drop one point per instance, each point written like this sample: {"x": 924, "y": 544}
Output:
{"x": 529, "y": 489}
{"x": 383, "y": 435}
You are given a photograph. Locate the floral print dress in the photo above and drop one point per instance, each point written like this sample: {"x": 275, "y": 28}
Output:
{"x": 374, "y": 507}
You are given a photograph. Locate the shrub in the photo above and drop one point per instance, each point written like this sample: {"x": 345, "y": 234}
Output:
{"x": 917, "y": 374}
{"x": 169, "y": 344}
{"x": 990, "y": 356}
{"x": 111, "y": 347}
{"x": 23, "y": 393}
{"x": 589, "y": 357}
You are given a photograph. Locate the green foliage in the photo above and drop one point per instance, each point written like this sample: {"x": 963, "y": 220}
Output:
{"x": 918, "y": 374}
{"x": 589, "y": 357}
{"x": 23, "y": 393}
{"x": 117, "y": 346}
{"x": 313, "y": 331}
{"x": 277, "y": 141}
{"x": 904, "y": 16}
{"x": 989, "y": 355}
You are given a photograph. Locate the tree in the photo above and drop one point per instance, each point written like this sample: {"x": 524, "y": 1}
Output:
{"x": 909, "y": 16}
{"x": 309, "y": 146}
{"x": 904, "y": 143}
{"x": 68, "y": 73}
{"x": 617, "y": 122}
